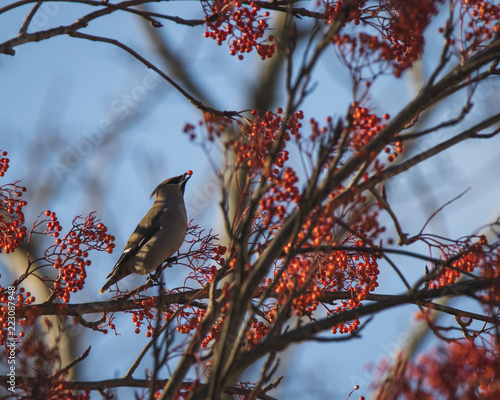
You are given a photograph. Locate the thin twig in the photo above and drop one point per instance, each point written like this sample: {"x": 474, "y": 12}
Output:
{"x": 72, "y": 363}
{"x": 402, "y": 236}
{"x": 441, "y": 208}
{"x": 28, "y": 19}
{"x": 197, "y": 103}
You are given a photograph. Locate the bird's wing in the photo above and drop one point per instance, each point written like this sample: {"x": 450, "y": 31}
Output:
{"x": 147, "y": 228}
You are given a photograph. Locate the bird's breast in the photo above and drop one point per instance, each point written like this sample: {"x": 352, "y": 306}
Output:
{"x": 163, "y": 244}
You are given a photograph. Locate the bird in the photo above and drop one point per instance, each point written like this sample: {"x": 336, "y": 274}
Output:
{"x": 159, "y": 234}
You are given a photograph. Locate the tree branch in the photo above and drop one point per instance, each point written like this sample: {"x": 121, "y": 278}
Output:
{"x": 25, "y": 381}
{"x": 275, "y": 343}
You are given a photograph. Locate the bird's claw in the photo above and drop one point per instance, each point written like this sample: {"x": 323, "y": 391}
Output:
{"x": 169, "y": 261}
{"x": 153, "y": 278}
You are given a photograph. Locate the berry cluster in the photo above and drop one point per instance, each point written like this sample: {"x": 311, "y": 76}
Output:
{"x": 399, "y": 42}
{"x": 297, "y": 279}
{"x": 365, "y": 126}
{"x": 481, "y": 23}
{"x": 257, "y": 331}
{"x": 466, "y": 256}
{"x": 363, "y": 220}
{"x": 334, "y": 8}
{"x": 393, "y": 150}
{"x": 304, "y": 280}
{"x": 273, "y": 205}
{"x": 21, "y": 298}
{"x": 12, "y": 230}
{"x": 213, "y": 334}
{"x": 144, "y": 313}
{"x": 354, "y": 271}
{"x": 219, "y": 252}
{"x": 405, "y": 29}
{"x": 317, "y": 131}
{"x": 69, "y": 255}
{"x": 189, "y": 320}
{"x": 214, "y": 127}
{"x": 478, "y": 367}
{"x": 241, "y": 25}
{"x": 4, "y": 163}
{"x": 257, "y": 140}
{"x": 461, "y": 369}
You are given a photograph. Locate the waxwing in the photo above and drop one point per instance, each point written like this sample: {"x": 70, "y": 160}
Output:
{"x": 159, "y": 234}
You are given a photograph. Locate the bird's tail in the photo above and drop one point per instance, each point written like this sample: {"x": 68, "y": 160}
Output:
{"x": 115, "y": 275}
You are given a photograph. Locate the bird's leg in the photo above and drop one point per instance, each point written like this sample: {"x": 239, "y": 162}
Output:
{"x": 154, "y": 278}
{"x": 169, "y": 261}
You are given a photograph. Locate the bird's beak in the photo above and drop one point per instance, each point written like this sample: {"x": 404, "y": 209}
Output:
{"x": 185, "y": 177}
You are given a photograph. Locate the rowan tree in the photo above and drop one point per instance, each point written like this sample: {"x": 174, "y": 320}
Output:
{"x": 309, "y": 228}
